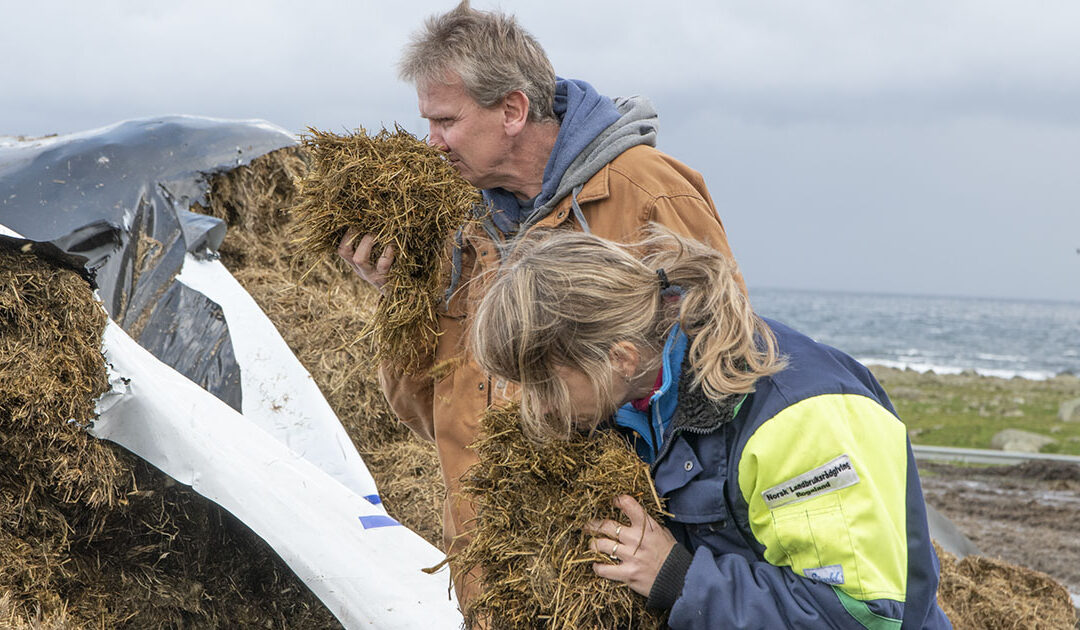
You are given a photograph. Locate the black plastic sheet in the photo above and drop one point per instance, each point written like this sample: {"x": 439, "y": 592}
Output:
{"x": 118, "y": 198}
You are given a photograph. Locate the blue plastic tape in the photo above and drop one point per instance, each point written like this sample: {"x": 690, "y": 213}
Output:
{"x": 371, "y": 522}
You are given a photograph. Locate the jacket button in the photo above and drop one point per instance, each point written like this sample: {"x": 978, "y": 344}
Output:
{"x": 688, "y": 466}
{"x": 481, "y": 387}
{"x": 483, "y": 253}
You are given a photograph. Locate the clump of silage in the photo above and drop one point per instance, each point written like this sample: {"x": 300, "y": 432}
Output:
{"x": 318, "y": 305}
{"x": 51, "y": 372}
{"x": 407, "y": 195}
{"x": 13, "y": 619}
{"x": 532, "y": 501}
{"x": 91, "y": 536}
{"x": 979, "y": 593}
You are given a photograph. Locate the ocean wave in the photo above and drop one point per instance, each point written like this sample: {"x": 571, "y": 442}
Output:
{"x": 1003, "y": 338}
{"x": 918, "y": 366}
{"x": 1005, "y": 358}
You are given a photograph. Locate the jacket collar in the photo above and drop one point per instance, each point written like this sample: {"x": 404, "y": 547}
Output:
{"x": 697, "y": 412}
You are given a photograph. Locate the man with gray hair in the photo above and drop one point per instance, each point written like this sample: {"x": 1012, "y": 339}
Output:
{"x": 546, "y": 152}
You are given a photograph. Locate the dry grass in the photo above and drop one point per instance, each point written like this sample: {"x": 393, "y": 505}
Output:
{"x": 91, "y": 536}
{"x": 532, "y": 501}
{"x": 403, "y": 192}
{"x": 12, "y": 618}
{"x": 320, "y": 306}
{"x": 980, "y": 593}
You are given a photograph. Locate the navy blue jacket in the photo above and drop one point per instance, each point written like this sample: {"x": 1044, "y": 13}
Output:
{"x": 796, "y": 506}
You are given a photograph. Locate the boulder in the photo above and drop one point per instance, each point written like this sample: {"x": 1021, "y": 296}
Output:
{"x": 1069, "y": 411}
{"x": 1022, "y": 441}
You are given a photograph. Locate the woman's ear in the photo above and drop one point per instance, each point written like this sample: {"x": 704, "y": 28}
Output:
{"x": 625, "y": 359}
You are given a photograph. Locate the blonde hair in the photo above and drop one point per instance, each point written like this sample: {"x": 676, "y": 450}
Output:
{"x": 565, "y": 298}
{"x": 491, "y": 54}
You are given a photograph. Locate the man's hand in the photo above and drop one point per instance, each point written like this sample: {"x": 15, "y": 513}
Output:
{"x": 639, "y": 548}
{"x": 360, "y": 257}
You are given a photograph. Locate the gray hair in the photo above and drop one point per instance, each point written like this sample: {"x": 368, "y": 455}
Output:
{"x": 491, "y": 54}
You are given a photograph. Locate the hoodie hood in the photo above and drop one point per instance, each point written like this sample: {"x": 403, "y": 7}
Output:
{"x": 593, "y": 132}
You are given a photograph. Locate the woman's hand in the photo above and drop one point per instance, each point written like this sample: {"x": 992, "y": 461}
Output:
{"x": 639, "y": 548}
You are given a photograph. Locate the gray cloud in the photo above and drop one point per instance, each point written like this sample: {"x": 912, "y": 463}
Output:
{"x": 917, "y": 146}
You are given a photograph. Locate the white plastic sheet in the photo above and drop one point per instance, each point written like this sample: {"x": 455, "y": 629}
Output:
{"x": 279, "y": 395}
{"x": 363, "y": 565}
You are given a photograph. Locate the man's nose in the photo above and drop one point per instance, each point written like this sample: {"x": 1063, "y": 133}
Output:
{"x": 435, "y": 138}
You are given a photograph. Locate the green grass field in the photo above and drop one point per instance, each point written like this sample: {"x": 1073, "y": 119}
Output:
{"x": 966, "y": 410}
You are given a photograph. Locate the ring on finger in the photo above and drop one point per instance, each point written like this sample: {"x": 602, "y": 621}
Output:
{"x": 613, "y": 555}
{"x": 618, "y": 528}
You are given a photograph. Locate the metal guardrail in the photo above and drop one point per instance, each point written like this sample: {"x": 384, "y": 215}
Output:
{"x": 983, "y": 456}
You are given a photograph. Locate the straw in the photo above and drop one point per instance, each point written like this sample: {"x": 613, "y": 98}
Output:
{"x": 407, "y": 195}
{"x": 532, "y": 501}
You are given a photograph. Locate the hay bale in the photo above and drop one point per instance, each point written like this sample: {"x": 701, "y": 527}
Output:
{"x": 51, "y": 372}
{"x": 91, "y": 536}
{"x": 319, "y": 317}
{"x": 404, "y": 192}
{"x": 532, "y": 501}
{"x": 979, "y": 593}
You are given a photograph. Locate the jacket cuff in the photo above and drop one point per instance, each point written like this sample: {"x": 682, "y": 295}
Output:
{"x": 669, "y": 582}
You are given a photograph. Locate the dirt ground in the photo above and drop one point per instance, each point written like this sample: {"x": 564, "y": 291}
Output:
{"x": 1028, "y": 514}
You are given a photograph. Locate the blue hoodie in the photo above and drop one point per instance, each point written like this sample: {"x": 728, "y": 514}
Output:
{"x": 585, "y": 115}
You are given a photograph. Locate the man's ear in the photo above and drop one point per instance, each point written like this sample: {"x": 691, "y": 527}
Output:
{"x": 515, "y": 107}
{"x": 625, "y": 359}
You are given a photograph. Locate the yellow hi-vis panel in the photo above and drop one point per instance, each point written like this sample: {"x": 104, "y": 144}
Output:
{"x": 826, "y": 485}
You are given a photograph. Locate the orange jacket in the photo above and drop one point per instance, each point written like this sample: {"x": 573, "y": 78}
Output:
{"x": 640, "y": 186}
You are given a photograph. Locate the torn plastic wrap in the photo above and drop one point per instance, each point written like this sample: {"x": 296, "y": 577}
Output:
{"x": 362, "y": 564}
{"x": 119, "y": 196}
{"x": 279, "y": 394}
{"x": 285, "y": 466}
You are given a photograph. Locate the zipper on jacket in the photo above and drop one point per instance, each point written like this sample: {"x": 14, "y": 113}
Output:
{"x": 697, "y": 431}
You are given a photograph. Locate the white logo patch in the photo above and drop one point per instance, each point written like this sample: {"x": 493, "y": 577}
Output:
{"x": 832, "y": 574}
{"x": 837, "y": 474}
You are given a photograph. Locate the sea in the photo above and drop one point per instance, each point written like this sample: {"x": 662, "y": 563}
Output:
{"x": 949, "y": 335}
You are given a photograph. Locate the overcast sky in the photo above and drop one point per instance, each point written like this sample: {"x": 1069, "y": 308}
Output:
{"x": 923, "y": 146}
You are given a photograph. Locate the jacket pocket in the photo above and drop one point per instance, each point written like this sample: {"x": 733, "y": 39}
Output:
{"x": 816, "y": 541}
{"x": 679, "y": 468}
{"x": 693, "y": 489}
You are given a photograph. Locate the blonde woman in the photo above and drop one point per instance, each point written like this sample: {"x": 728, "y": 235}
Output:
{"x": 793, "y": 495}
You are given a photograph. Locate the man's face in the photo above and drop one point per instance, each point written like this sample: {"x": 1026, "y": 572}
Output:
{"x": 472, "y": 136}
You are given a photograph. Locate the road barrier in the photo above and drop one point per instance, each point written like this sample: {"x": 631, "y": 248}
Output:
{"x": 984, "y": 456}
